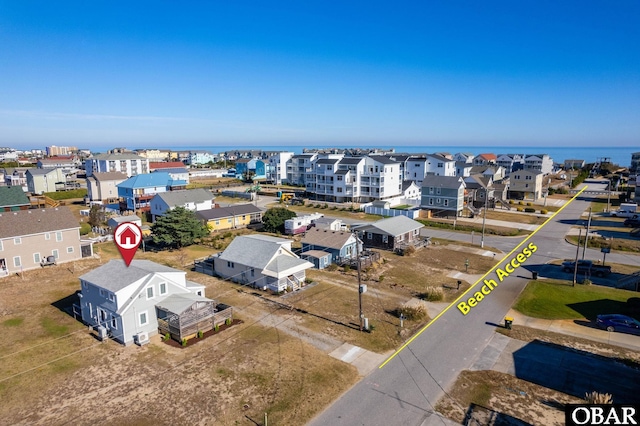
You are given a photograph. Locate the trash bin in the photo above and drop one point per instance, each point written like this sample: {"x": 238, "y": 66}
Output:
{"x": 534, "y": 275}
{"x": 507, "y": 322}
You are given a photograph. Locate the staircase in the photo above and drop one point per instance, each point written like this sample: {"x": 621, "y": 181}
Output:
{"x": 50, "y": 202}
{"x": 473, "y": 210}
{"x": 630, "y": 282}
{"x": 503, "y": 203}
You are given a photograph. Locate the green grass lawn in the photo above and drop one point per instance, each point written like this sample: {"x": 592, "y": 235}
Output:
{"x": 558, "y": 300}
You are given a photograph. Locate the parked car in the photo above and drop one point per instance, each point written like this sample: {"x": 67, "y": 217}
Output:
{"x": 617, "y": 322}
{"x": 587, "y": 267}
{"x": 633, "y": 223}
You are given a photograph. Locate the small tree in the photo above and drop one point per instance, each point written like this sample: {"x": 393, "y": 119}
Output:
{"x": 96, "y": 215}
{"x": 273, "y": 219}
{"x": 178, "y": 228}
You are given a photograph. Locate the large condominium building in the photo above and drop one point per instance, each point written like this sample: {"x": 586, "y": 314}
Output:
{"x": 127, "y": 163}
{"x": 60, "y": 150}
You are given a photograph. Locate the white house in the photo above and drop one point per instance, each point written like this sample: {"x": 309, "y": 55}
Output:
{"x": 263, "y": 262}
{"x": 191, "y": 199}
{"x": 121, "y": 300}
{"x": 277, "y": 170}
{"x": 541, "y": 163}
{"x": 127, "y": 163}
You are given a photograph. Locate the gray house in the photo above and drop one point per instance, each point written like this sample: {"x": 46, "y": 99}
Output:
{"x": 262, "y": 261}
{"x": 393, "y": 233}
{"x": 443, "y": 195}
{"x": 121, "y": 300}
{"x": 339, "y": 245}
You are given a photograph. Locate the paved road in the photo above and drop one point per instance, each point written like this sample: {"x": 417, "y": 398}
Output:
{"x": 406, "y": 389}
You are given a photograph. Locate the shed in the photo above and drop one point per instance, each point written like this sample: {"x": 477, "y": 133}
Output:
{"x": 320, "y": 259}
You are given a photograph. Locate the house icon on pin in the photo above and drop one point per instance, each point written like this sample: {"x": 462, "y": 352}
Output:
{"x": 128, "y": 237}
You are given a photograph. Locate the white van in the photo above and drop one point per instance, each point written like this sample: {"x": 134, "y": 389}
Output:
{"x": 626, "y": 210}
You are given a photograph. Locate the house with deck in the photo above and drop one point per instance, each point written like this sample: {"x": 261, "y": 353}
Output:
{"x": 129, "y": 304}
{"x": 393, "y": 233}
{"x": 340, "y": 245}
{"x": 443, "y": 195}
{"x": 263, "y": 262}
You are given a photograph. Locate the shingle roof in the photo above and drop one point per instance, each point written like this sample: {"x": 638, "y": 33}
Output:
{"x": 393, "y": 226}
{"x": 448, "y": 182}
{"x": 326, "y": 238}
{"x": 11, "y": 196}
{"x": 36, "y": 221}
{"x": 154, "y": 165}
{"x": 383, "y": 159}
{"x": 327, "y": 161}
{"x": 115, "y": 275}
{"x": 253, "y": 250}
{"x": 180, "y": 198}
{"x": 173, "y": 170}
{"x": 232, "y": 210}
{"x": 35, "y": 172}
{"x": 351, "y": 160}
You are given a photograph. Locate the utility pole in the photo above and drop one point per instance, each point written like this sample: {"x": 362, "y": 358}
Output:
{"x": 360, "y": 315}
{"x": 484, "y": 219}
{"x": 609, "y": 196}
{"x": 586, "y": 237}
{"x": 575, "y": 265}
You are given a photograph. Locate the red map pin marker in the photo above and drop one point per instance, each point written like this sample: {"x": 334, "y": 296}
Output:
{"x": 127, "y": 237}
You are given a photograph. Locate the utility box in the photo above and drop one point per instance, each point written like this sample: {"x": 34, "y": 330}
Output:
{"x": 363, "y": 288}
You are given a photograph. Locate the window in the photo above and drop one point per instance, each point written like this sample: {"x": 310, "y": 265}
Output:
{"x": 103, "y": 314}
{"x": 58, "y": 236}
{"x": 114, "y": 322}
{"x": 438, "y": 190}
{"x": 253, "y": 272}
{"x": 526, "y": 185}
{"x": 440, "y": 165}
{"x": 385, "y": 239}
{"x": 36, "y": 257}
{"x": 430, "y": 201}
{"x": 431, "y": 190}
{"x": 438, "y": 201}
{"x": 70, "y": 249}
{"x": 16, "y": 261}
{"x": 369, "y": 235}
{"x": 230, "y": 264}
{"x": 149, "y": 292}
{"x": 163, "y": 288}
{"x": 446, "y": 203}
{"x": 55, "y": 254}
{"x": 17, "y": 241}
{"x": 217, "y": 222}
{"x": 142, "y": 318}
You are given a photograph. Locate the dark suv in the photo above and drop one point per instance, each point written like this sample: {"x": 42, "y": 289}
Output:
{"x": 633, "y": 223}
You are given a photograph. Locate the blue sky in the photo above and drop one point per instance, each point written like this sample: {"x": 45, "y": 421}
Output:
{"x": 167, "y": 73}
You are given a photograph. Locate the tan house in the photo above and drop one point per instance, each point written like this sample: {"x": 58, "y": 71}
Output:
{"x": 103, "y": 187}
{"x": 28, "y": 237}
{"x": 526, "y": 185}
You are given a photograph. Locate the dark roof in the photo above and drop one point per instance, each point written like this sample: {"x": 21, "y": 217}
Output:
{"x": 233, "y": 210}
{"x": 29, "y": 222}
{"x": 327, "y": 161}
{"x": 400, "y": 158}
{"x": 442, "y": 181}
{"x": 351, "y": 160}
{"x": 382, "y": 159}
{"x": 439, "y": 157}
{"x": 11, "y": 196}
{"x": 406, "y": 184}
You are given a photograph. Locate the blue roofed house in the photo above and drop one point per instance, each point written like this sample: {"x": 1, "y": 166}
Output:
{"x": 136, "y": 192}
{"x": 263, "y": 262}
{"x": 323, "y": 246}
{"x": 125, "y": 302}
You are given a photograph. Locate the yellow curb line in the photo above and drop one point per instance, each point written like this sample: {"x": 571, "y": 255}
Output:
{"x": 415, "y": 336}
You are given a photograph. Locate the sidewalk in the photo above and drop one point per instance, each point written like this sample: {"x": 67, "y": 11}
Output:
{"x": 578, "y": 328}
{"x": 502, "y": 223}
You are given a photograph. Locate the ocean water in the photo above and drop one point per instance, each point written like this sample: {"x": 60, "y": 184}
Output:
{"x": 616, "y": 155}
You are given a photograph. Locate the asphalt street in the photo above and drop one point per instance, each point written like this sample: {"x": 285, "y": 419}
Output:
{"x": 405, "y": 390}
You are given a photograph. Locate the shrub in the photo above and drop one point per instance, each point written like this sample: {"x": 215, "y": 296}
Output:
{"x": 317, "y": 206}
{"x": 520, "y": 209}
{"x": 85, "y": 228}
{"x": 544, "y": 211}
{"x": 510, "y": 201}
{"x": 184, "y": 342}
{"x": 521, "y": 203}
{"x": 529, "y": 204}
{"x": 433, "y": 294}
{"x": 332, "y": 267}
{"x": 412, "y": 313}
{"x": 381, "y": 278}
{"x": 347, "y": 268}
{"x": 409, "y": 251}
{"x": 167, "y": 336}
{"x": 586, "y": 281}
{"x": 200, "y": 334}
{"x": 598, "y": 398}
{"x": 529, "y": 210}
{"x": 326, "y": 206}
{"x": 227, "y": 321}
{"x": 216, "y": 327}
{"x": 371, "y": 328}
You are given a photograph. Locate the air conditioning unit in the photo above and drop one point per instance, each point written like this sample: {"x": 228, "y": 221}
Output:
{"x": 141, "y": 338}
{"x": 102, "y": 332}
